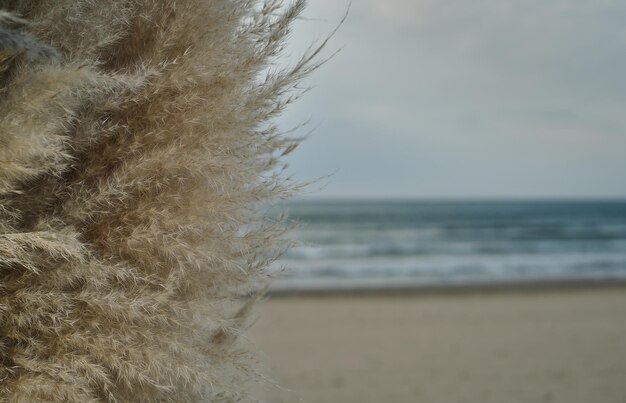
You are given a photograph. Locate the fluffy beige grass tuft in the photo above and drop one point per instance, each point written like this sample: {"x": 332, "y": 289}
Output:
{"x": 136, "y": 146}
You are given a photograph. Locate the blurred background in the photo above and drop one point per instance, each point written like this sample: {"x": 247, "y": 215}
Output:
{"x": 469, "y": 244}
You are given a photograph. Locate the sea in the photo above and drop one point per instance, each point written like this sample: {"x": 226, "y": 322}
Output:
{"x": 360, "y": 243}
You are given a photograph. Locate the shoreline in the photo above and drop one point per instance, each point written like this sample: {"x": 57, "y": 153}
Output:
{"x": 409, "y": 287}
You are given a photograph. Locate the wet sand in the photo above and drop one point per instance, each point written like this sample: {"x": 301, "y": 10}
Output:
{"x": 546, "y": 345}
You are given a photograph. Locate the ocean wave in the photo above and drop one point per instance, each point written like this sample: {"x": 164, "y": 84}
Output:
{"x": 446, "y": 241}
{"x": 417, "y": 249}
{"x": 446, "y": 266}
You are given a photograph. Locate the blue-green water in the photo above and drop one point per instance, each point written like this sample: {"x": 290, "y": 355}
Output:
{"x": 441, "y": 242}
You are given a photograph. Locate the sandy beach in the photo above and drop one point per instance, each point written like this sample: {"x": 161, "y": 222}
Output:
{"x": 524, "y": 346}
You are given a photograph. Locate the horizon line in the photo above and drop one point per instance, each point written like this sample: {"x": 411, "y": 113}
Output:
{"x": 459, "y": 198}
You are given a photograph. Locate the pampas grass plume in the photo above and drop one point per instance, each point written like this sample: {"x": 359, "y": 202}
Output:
{"x": 137, "y": 148}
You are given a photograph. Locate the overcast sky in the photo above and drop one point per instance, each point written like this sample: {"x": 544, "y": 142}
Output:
{"x": 458, "y": 98}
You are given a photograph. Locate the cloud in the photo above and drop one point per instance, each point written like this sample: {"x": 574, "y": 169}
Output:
{"x": 534, "y": 87}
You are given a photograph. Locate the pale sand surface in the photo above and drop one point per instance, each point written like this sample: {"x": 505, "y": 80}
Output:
{"x": 545, "y": 346}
